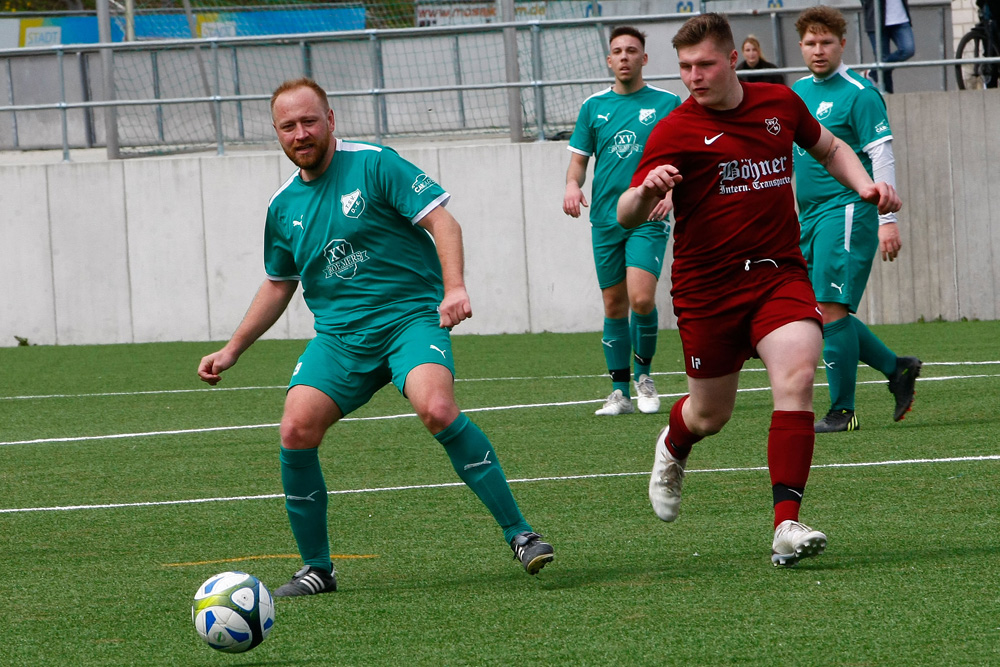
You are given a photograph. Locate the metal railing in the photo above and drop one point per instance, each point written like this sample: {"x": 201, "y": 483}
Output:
{"x": 222, "y": 96}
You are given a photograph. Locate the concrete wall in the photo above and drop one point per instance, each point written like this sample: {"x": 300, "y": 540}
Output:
{"x": 162, "y": 249}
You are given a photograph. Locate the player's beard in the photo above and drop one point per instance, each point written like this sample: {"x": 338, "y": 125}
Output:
{"x": 320, "y": 147}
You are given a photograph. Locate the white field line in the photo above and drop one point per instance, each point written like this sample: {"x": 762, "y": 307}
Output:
{"x": 283, "y": 387}
{"x": 528, "y": 480}
{"x": 406, "y": 415}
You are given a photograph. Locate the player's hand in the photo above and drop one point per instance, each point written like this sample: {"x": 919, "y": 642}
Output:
{"x": 660, "y": 181}
{"x": 888, "y": 241}
{"x": 882, "y": 195}
{"x": 211, "y": 366}
{"x": 662, "y": 208}
{"x": 455, "y": 307}
{"x": 573, "y": 200}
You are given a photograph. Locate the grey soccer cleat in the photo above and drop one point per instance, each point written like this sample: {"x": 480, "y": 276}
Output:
{"x": 836, "y": 421}
{"x": 531, "y": 551}
{"x": 308, "y": 581}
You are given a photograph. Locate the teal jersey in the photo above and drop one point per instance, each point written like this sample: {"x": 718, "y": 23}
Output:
{"x": 848, "y": 105}
{"x": 350, "y": 236}
{"x": 613, "y": 129}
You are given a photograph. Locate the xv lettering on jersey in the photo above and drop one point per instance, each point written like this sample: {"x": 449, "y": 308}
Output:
{"x": 342, "y": 260}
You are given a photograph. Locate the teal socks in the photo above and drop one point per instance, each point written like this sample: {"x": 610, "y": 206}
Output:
{"x": 306, "y": 503}
{"x": 617, "y": 345}
{"x": 644, "y": 330}
{"x": 872, "y": 350}
{"x": 840, "y": 356}
{"x": 476, "y": 463}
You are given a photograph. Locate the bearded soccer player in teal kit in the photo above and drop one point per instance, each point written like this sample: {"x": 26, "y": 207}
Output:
{"x": 840, "y": 232}
{"x": 612, "y": 127}
{"x": 381, "y": 266}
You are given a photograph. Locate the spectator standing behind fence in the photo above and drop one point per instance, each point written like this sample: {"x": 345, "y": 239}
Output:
{"x": 381, "y": 265}
{"x": 840, "y": 232}
{"x": 753, "y": 60}
{"x": 740, "y": 286}
{"x": 895, "y": 18}
{"x": 612, "y": 126}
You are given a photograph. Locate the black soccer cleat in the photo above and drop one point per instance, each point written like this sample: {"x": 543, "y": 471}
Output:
{"x": 902, "y": 385}
{"x": 531, "y": 551}
{"x": 836, "y": 421}
{"x": 308, "y": 581}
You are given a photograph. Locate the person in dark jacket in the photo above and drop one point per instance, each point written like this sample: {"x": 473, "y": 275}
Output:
{"x": 753, "y": 59}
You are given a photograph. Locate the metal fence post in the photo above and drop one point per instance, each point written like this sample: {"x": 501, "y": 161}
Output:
{"x": 514, "y": 116}
{"x": 378, "y": 85}
{"x": 536, "y": 76}
{"x": 220, "y": 141}
{"x": 457, "y": 53}
{"x": 154, "y": 63}
{"x": 10, "y": 98}
{"x": 108, "y": 70}
{"x": 60, "y": 57}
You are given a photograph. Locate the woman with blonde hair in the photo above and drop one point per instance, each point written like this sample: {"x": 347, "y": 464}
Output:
{"x": 753, "y": 59}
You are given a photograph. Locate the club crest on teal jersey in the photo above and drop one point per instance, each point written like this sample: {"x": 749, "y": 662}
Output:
{"x": 824, "y": 110}
{"x": 341, "y": 258}
{"x": 647, "y": 116}
{"x": 352, "y": 204}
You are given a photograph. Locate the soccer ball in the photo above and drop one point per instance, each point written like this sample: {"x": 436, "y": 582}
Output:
{"x": 233, "y": 612}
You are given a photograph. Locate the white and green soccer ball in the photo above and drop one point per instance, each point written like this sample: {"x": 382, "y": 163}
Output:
{"x": 233, "y": 612}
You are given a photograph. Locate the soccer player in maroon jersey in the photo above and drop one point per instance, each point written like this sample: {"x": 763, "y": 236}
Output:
{"x": 740, "y": 286}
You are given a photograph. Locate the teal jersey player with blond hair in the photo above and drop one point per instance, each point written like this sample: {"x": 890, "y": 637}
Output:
{"x": 351, "y": 238}
{"x": 381, "y": 266}
{"x": 612, "y": 128}
{"x": 840, "y": 233}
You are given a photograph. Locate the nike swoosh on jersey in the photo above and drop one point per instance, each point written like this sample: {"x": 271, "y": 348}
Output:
{"x": 709, "y": 142}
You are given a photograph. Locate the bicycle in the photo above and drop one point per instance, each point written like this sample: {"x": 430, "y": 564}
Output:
{"x": 982, "y": 41}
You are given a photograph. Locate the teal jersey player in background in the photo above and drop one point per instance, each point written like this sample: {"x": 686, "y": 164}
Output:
{"x": 381, "y": 266}
{"x": 840, "y": 232}
{"x": 612, "y": 127}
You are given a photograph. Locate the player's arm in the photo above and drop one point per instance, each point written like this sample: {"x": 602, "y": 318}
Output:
{"x": 838, "y": 159}
{"x": 884, "y": 169}
{"x": 447, "y": 234}
{"x": 576, "y": 176}
{"x": 265, "y": 309}
{"x": 637, "y": 203}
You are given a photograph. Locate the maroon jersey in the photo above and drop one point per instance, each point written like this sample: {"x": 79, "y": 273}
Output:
{"x": 735, "y": 203}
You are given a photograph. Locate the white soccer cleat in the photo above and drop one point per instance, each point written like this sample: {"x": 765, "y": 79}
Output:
{"x": 616, "y": 404}
{"x": 794, "y": 541}
{"x": 666, "y": 481}
{"x": 647, "y": 398}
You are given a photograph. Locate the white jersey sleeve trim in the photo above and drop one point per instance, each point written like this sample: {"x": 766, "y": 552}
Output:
{"x": 282, "y": 188}
{"x": 579, "y": 152}
{"x": 283, "y": 279}
{"x": 353, "y": 147}
{"x": 442, "y": 200}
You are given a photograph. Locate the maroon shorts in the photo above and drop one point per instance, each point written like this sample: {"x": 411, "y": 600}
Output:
{"x": 722, "y": 331}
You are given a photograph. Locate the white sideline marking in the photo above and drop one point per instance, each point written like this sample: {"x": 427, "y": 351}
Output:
{"x": 522, "y": 406}
{"x": 283, "y": 387}
{"x": 412, "y": 487}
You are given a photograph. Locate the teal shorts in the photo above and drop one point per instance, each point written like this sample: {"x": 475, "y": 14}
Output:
{"x": 350, "y": 368}
{"x": 839, "y": 245}
{"x": 616, "y": 248}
